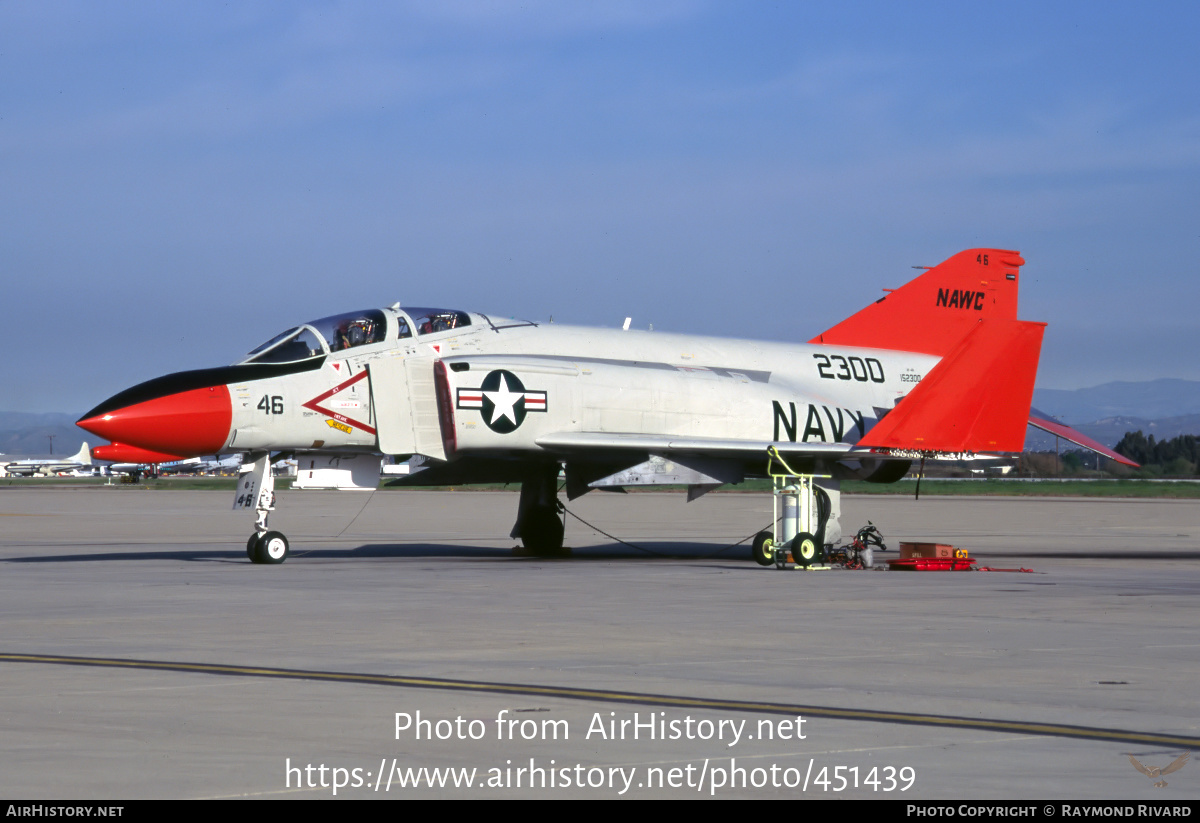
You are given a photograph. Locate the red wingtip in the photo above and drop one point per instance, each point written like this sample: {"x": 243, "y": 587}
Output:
{"x": 124, "y": 453}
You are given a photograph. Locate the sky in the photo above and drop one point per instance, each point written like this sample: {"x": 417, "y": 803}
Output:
{"x": 181, "y": 181}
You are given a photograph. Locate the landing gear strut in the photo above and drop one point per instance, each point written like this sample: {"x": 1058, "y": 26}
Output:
{"x": 539, "y": 525}
{"x": 256, "y": 489}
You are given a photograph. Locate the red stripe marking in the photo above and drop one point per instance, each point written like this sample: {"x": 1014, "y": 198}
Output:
{"x": 315, "y": 404}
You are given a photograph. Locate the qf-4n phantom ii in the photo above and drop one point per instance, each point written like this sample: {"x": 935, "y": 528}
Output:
{"x": 939, "y": 368}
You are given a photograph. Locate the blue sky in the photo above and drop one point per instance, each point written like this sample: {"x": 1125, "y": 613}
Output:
{"x": 183, "y": 180}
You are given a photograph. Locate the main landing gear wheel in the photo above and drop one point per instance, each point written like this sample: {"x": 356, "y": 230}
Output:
{"x": 542, "y": 531}
{"x": 763, "y": 549}
{"x": 271, "y": 548}
{"x": 804, "y": 549}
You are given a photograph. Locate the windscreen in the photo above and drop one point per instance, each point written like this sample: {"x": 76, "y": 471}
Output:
{"x": 295, "y": 344}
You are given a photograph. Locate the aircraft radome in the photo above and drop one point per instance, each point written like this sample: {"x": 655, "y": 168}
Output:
{"x": 940, "y": 367}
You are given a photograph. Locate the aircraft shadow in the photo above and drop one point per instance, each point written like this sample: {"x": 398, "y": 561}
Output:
{"x": 650, "y": 550}
{"x": 646, "y": 551}
{"x": 614, "y": 551}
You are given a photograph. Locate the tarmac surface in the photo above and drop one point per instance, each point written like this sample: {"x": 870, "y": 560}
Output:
{"x": 144, "y": 656}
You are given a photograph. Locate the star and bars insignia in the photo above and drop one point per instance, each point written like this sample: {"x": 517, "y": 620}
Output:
{"x": 503, "y": 400}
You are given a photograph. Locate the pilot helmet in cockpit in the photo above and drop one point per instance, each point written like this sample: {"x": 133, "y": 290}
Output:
{"x": 356, "y": 332}
{"x": 360, "y": 332}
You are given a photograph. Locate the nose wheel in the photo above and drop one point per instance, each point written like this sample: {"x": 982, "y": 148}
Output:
{"x": 269, "y": 547}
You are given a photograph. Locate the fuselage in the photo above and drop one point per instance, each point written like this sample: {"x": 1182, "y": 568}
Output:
{"x": 386, "y": 380}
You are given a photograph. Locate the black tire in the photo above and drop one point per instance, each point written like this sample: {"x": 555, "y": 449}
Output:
{"x": 252, "y": 548}
{"x": 542, "y": 531}
{"x": 272, "y": 548}
{"x": 763, "y": 549}
{"x": 804, "y": 549}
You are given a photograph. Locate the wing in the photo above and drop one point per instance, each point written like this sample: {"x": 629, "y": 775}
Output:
{"x": 579, "y": 442}
{"x": 1138, "y": 765}
{"x": 1177, "y": 763}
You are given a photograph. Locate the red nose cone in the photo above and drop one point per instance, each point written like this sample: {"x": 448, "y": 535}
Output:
{"x": 187, "y": 424}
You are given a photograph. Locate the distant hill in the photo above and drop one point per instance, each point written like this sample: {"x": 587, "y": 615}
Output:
{"x": 23, "y": 434}
{"x": 1149, "y": 400}
{"x": 1165, "y": 408}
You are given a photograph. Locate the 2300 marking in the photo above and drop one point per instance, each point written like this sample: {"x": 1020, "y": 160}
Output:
{"x": 849, "y": 368}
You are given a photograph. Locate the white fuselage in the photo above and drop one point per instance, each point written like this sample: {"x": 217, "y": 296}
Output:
{"x": 575, "y": 380}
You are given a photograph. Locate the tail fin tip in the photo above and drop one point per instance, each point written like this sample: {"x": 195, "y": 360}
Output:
{"x": 933, "y": 312}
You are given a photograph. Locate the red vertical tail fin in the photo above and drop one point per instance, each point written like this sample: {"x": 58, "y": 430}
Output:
{"x": 938, "y": 309}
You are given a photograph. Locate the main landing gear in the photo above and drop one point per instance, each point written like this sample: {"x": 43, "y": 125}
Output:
{"x": 539, "y": 525}
{"x": 256, "y": 489}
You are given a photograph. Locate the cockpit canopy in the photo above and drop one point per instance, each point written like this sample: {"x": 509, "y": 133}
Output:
{"x": 428, "y": 321}
{"x": 329, "y": 334}
{"x": 347, "y": 331}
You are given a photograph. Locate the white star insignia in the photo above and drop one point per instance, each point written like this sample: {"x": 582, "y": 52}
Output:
{"x": 504, "y": 400}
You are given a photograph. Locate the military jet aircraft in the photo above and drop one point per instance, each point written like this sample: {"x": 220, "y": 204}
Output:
{"x": 940, "y": 367}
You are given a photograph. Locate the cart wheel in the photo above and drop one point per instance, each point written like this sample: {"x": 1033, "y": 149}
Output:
{"x": 763, "y": 549}
{"x": 804, "y": 549}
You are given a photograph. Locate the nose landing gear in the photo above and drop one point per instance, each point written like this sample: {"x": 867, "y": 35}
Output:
{"x": 256, "y": 489}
